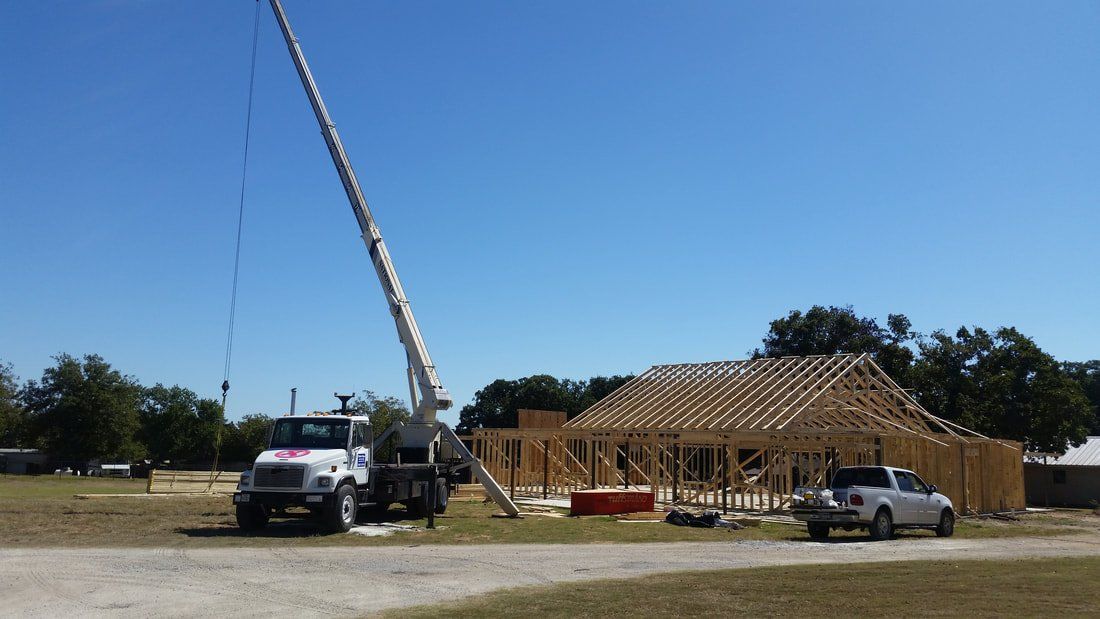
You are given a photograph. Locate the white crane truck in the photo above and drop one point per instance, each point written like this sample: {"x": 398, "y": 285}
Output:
{"x": 326, "y": 463}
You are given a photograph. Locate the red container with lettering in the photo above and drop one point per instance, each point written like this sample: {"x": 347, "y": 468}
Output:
{"x": 597, "y": 502}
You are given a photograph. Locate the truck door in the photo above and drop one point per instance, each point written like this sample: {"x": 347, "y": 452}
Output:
{"x": 930, "y": 509}
{"x": 913, "y": 501}
{"x": 360, "y": 460}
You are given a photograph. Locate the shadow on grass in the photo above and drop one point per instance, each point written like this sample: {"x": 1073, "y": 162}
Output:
{"x": 852, "y": 539}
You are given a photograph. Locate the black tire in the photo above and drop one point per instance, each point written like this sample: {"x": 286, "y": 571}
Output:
{"x": 251, "y": 517}
{"x": 442, "y": 494}
{"x": 340, "y": 516}
{"x": 882, "y": 527}
{"x": 818, "y": 530}
{"x": 946, "y": 527}
{"x": 418, "y": 507}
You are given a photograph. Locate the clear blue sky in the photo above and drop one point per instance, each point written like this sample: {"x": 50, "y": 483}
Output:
{"x": 573, "y": 188}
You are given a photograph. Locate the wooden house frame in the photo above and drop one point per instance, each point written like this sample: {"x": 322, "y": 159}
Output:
{"x": 744, "y": 434}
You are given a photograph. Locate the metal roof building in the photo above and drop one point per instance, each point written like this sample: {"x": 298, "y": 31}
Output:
{"x": 1071, "y": 479}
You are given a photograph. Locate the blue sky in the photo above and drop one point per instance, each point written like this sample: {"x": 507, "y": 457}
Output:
{"x": 572, "y": 188}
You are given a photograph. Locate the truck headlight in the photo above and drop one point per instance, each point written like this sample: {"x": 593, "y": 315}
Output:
{"x": 246, "y": 479}
{"x": 324, "y": 482}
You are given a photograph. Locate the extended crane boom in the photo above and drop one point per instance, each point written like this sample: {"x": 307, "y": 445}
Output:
{"x": 424, "y": 432}
{"x": 433, "y": 396}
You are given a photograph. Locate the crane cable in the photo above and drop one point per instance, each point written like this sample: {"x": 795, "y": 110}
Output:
{"x": 237, "y": 253}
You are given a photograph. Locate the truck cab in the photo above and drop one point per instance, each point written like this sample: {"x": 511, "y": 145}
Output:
{"x": 319, "y": 462}
{"x": 880, "y": 499}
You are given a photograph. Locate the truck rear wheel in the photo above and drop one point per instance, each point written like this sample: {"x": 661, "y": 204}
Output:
{"x": 946, "y": 527}
{"x": 251, "y": 517}
{"x": 340, "y": 516}
{"x": 882, "y": 527}
{"x": 417, "y": 507}
{"x": 818, "y": 530}
{"x": 442, "y": 493}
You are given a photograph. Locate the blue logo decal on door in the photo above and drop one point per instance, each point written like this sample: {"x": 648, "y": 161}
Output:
{"x": 361, "y": 460}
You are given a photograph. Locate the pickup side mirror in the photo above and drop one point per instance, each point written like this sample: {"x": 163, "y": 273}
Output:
{"x": 933, "y": 488}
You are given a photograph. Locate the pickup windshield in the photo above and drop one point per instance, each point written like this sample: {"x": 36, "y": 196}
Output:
{"x": 310, "y": 432}
{"x": 866, "y": 476}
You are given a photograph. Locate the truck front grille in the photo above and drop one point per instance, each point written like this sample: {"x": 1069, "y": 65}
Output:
{"x": 279, "y": 476}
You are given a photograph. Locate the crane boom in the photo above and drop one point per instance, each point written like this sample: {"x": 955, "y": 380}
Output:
{"x": 433, "y": 396}
{"x": 424, "y": 432}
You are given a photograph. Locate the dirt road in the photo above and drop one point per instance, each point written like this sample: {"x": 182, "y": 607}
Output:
{"x": 344, "y": 581}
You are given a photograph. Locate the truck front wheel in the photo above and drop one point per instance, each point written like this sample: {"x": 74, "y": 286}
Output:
{"x": 340, "y": 516}
{"x": 818, "y": 530}
{"x": 251, "y": 517}
{"x": 946, "y": 527}
{"x": 882, "y": 527}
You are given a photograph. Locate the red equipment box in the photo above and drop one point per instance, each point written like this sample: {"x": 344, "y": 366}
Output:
{"x": 596, "y": 502}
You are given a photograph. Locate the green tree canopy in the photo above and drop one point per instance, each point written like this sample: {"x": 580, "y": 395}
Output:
{"x": 498, "y": 403}
{"x": 1002, "y": 385}
{"x": 244, "y": 440}
{"x": 835, "y": 330}
{"x": 1087, "y": 374}
{"x": 13, "y": 417}
{"x": 177, "y": 425}
{"x": 383, "y": 412}
{"x": 82, "y": 409}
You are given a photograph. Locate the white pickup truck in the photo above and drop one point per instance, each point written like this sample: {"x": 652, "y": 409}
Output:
{"x": 880, "y": 499}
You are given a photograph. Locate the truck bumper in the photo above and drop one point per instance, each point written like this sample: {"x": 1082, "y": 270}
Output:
{"x": 827, "y": 516}
{"x": 284, "y": 499}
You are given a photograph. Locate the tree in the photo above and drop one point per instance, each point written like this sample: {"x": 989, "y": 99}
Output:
{"x": 1002, "y": 385}
{"x": 1087, "y": 374}
{"x": 836, "y": 330}
{"x": 244, "y": 440}
{"x": 383, "y": 412}
{"x": 84, "y": 410}
{"x": 178, "y": 425}
{"x": 498, "y": 403}
{"x": 13, "y": 417}
{"x": 598, "y": 388}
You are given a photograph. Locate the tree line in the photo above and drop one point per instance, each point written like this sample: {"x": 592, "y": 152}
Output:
{"x": 82, "y": 409}
{"x": 998, "y": 382}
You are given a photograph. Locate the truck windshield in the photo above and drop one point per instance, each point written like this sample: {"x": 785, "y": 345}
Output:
{"x": 313, "y": 433}
{"x": 866, "y": 476}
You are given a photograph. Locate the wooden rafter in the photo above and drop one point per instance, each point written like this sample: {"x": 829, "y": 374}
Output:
{"x": 830, "y": 393}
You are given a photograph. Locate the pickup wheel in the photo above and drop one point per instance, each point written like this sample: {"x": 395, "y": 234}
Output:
{"x": 251, "y": 517}
{"x": 946, "y": 527}
{"x": 340, "y": 516}
{"x": 818, "y": 530}
{"x": 442, "y": 493}
{"x": 882, "y": 527}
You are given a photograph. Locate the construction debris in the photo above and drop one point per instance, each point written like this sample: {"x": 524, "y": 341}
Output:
{"x": 708, "y": 520}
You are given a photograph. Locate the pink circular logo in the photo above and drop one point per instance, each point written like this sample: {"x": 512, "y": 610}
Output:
{"x": 291, "y": 453}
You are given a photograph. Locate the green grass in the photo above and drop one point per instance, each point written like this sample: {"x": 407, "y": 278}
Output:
{"x": 41, "y": 511}
{"x": 25, "y": 486}
{"x": 1017, "y": 588}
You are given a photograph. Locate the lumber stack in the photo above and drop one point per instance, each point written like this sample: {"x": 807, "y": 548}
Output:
{"x": 192, "y": 482}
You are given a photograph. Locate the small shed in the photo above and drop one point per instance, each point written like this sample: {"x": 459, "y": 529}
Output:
{"x": 1071, "y": 479}
{"x": 17, "y": 461}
